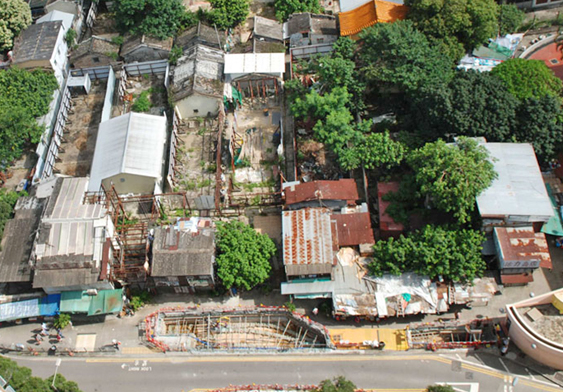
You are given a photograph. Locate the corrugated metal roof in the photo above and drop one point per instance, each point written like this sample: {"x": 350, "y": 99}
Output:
{"x": 307, "y": 237}
{"x": 67, "y": 202}
{"x": 298, "y": 288}
{"x": 247, "y": 63}
{"x": 343, "y": 189}
{"x": 521, "y": 247}
{"x": 132, "y": 143}
{"x": 64, "y": 17}
{"x": 37, "y": 42}
{"x": 519, "y": 189}
{"x": 354, "y": 229}
{"x": 386, "y": 223}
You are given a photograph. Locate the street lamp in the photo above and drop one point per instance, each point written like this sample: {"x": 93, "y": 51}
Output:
{"x": 57, "y": 364}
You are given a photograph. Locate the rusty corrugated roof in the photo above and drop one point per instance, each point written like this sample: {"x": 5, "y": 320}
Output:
{"x": 377, "y": 11}
{"x": 343, "y": 189}
{"x": 521, "y": 247}
{"x": 307, "y": 237}
{"x": 353, "y": 229}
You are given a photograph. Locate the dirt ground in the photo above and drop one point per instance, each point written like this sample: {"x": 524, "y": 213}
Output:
{"x": 20, "y": 171}
{"x": 77, "y": 151}
{"x": 135, "y": 86}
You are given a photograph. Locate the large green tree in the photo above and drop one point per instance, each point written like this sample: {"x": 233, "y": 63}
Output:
{"x": 396, "y": 55}
{"x": 451, "y": 176}
{"x": 433, "y": 251}
{"x": 15, "y": 16}
{"x": 510, "y": 18}
{"x": 24, "y": 96}
{"x": 226, "y": 14}
{"x": 156, "y": 18}
{"x": 472, "y": 104}
{"x": 374, "y": 151}
{"x": 21, "y": 380}
{"x": 456, "y": 25}
{"x": 243, "y": 255}
{"x": 285, "y": 8}
{"x": 528, "y": 78}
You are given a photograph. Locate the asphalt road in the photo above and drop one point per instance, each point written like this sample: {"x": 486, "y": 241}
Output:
{"x": 380, "y": 372}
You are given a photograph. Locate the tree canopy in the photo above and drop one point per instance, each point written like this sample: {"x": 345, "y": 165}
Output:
{"x": 284, "y": 8}
{"x": 456, "y": 25}
{"x": 8, "y": 200}
{"x": 339, "y": 384}
{"x": 156, "y": 18}
{"x": 21, "y": 380}
{"x": 243, "y": 255}
{"x": 226, "y": 14}
{"x": 452, "y": 176}
{"x": 433, "y": 251}
{"x": 397, "y": 55}
{"x": 528, "y": 78}
{"x": 374, "y": 151}
{"x": 510, "y": 18}
{"x": 24, "y": 96}
{"x": 15, "y": 16}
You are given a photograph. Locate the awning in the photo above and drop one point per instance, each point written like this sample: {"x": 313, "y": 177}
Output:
{"x": 106, "y": 301}
{"x": 45, "y": 306}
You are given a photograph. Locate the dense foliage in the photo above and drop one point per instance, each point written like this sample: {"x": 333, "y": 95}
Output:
{"x": 432, "y": 251}
{"x": 528, "y": 78}
{"x": 510, "y": 19}
{"x": 397, "y": 55}
{"x": 24, "y": 96}
{"x": 339, "y": 384}
{"x": 226, "y": 14}
{"x": 8, "y": 200}
{"x": 284, "y": 8}
{"x": 21, "y": 380}
{"x": 243, "y": 255}
{"x": 456, "y": 26}
{"x": 15, "y": 16}
{"x": 452, "y": 176}
{"x": 156, "y": 18}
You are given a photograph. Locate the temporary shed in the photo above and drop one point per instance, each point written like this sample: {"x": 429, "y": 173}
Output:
{"x": 129, "y": 154}
{"x": 241, "y": 64}
{"x": 518, "y": 195}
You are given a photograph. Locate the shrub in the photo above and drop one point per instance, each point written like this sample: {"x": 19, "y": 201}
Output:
{"x": 62, "y": 321}
{"x": 142, "y": 103}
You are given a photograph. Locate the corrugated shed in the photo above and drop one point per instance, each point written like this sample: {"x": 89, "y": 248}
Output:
{"x": 132, "y": 143}
{"x": 343, "y": 189}
{"x": 519, "y": 189}
{"x": 368, "y": 14}
{"x": 521, "y": 247}
{"x": 249, "y": 63}
{"x": 353, "y": 229}
{"x": 307, "y": 240}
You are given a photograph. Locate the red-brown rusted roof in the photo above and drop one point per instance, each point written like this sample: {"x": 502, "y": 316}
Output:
{"x": 386, "y": 223}
{"x": 343, "y": 189}
{"x": 521, "y": 247}
{"x": 353, "y": 229}
{"x": 516, "y": 278}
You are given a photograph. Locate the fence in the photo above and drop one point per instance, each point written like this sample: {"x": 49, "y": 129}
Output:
{"x": 148, "y": 68}
{"x": 108, "y": 100}
{"x": 101, "y": 73}
{"x": 57, "y": 134}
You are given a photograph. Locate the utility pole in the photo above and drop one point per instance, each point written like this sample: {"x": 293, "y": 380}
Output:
{"x": 57, "y": 364}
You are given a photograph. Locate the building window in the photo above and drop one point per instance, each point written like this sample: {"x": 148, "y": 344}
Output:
{"x": 96, "y": 59}
{"x": 320, "y": 40}
{"x": 196, "y": 111}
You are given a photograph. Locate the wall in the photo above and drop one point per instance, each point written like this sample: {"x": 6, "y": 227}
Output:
{"x": 108, "y": 100}
{"x": 202, "y": 103}
{"x": 146, "y": 54}
{"x": 547, "y": 352}
{"x": 319, "y": 39}
{"x": 59, "y": 59}
{"x": 131, "y": 184}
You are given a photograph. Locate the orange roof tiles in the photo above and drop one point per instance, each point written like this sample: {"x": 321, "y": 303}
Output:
{"x": 377, "y": 11}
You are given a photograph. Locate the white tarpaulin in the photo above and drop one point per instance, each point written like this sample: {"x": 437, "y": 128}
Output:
{"x": 19, "y": 310}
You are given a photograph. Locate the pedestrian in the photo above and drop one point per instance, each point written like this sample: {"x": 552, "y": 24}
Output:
{"x": 59, "y": 336}
{"x": 315, "y": 311}
{"x": 38, "y": 339}
{"x": 116, "y": 344}
{"x": 44, "y": 329}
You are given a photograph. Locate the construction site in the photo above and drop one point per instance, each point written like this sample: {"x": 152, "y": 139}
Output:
{"x": 265, "y": 328}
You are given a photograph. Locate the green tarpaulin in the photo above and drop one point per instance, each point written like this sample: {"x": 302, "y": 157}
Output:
{"x": 554, "y": 225}
{"x": 106, "y": 301}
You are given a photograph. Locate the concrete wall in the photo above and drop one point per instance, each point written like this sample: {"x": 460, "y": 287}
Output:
{"x": 130, "y": 183}
{"x": 202, "y": 103}
{"x": 544, "y": 351}
{"x": 59, "y": 59}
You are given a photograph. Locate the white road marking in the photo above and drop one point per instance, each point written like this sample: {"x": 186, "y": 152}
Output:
{"x": 504, "y": 366}
{"x": 530, "y": 373}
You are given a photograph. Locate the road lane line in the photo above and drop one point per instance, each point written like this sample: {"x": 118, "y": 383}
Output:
{"x": 504, "y": 366}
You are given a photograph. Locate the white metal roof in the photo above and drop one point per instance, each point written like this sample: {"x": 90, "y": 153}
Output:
{"x": 65, "y": 17}
{"x": 255, "y": 63}
{"x": 132, "y": 143}
{"x": 519, "y": 189}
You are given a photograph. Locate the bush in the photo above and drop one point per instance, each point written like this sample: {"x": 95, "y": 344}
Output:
{"x": 142, "y": 103}
{"x": 291, "y": 307}
{"x": 175, "y": 54}
{"x": 62, "y": 321}
{"x": 139, "y": 299}
{"x": 70, "y": 37}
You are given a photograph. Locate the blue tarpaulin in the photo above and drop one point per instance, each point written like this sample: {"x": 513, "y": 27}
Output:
{"x": 49, "y": 305}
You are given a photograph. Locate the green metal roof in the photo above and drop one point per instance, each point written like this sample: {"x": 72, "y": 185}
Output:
{"x": 106, "y": 301}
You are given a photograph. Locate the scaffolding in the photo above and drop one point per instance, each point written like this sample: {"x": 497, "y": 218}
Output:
{"x": 252, "y": 329}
